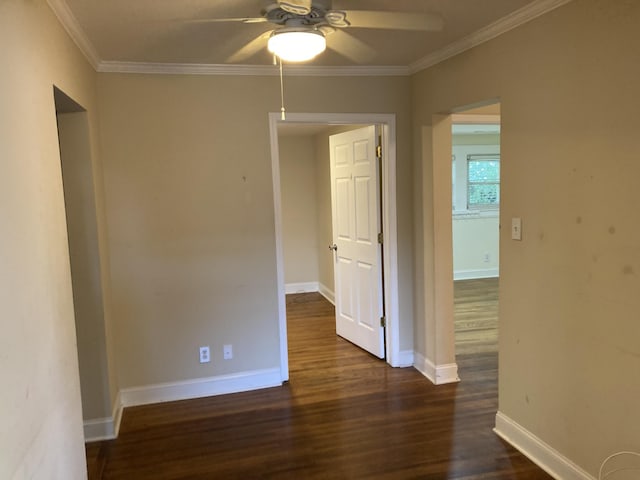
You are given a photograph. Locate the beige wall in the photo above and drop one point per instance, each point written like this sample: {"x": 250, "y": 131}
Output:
{"x": 567, "y": 82}
{"x": 40, "y": 406}
{"x": 191, "y": 213}
{"x": 299, "y": 211}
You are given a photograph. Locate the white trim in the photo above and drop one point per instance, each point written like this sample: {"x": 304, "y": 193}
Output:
{"x": 405, "y": 358}
{"x": 277, "y": 219}
{"x": 519, "y": 17}
{"x": 532, "y": 447}
{"x": 253, "y": 70}
{"x": 99, "y": 429}
{"x": 479, "y": 273}
{"x": 304, "y": 287}
{"x": 437, "y": 374}
{"x": 327, "y": 293}
{"x": 75, "y": 31}
{"x": 389, "y": 221}
{"x": 107, "y": 428}
{"x": 117, "y": 414}
{"x": 201, "y": 387}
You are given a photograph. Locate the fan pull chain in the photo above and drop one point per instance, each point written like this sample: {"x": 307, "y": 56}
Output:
{"x": 282, "y": 110}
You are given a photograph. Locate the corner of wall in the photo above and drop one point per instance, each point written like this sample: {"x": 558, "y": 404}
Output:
{"x": 327, "y": 293}
{"x": 437, "y": 374}
{"x": 405, "y": 359}
{"x": 104, "y": 428}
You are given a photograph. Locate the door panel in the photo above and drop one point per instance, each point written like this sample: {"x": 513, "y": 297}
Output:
{"x": 356, "y": 224}
{"x": 345, "y": 289}
{"x": 368, "y": 311}
{"x": 342, "y": 220}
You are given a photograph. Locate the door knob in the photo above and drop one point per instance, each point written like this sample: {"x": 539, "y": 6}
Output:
{"x": 333, "y": 247}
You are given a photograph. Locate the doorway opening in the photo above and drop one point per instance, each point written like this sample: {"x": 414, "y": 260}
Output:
{"x": 388, "y": 219}
{"x": 475, "y": 227}
{"x": 84, "y": 257}
{"x": 330, "y": 185}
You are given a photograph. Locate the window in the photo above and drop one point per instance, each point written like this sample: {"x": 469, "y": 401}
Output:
{"x": 483, "y": 181}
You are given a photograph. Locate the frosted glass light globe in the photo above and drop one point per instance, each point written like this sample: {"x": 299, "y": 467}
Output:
{"x": 296, "y": 45}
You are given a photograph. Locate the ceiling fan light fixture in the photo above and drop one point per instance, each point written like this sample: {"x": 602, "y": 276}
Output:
{"x": 298, "y": 45}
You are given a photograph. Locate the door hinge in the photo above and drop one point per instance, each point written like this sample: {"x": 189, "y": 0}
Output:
{"x": 383, "y": 322}
{"x": 379, "y": 151}
{"x": 380, "y": 238}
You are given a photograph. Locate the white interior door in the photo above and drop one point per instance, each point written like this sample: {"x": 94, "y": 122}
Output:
{"x": 355, "y": 200}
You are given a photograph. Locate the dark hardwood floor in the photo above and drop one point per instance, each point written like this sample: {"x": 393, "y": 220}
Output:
{"x": 343, "y": 415}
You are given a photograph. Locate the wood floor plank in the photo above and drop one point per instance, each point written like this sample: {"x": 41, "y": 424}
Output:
{"x": 343, "y": 415}
{"x": 476, "y": 315}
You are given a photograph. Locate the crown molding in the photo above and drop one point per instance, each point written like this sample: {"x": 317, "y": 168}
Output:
{"x": 255, "y": 70}
{"x": 515, "y": 19}
{"x": 75, "y": 31}
{"x": 491, "y": 31}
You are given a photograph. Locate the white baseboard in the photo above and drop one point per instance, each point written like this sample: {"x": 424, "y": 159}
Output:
{"x": 305, "y": 287}
{"x": 201, "y": 387}
{"x": 99, "y": 429}
{"x": 405, "y": 359}
{"x": 437, "y": 374}
{"x": 547, "y": 458}
{"x": 472, "y": 274}
{"x": 107, "y": 428}
{"x": 327, "y": 293}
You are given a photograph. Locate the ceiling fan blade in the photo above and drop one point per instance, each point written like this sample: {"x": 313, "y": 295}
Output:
{"x": 395, "y": 20}
{"x": 350, "y": 47}
{"x": 222, "y": 20}
{"x": 250, "y": 49}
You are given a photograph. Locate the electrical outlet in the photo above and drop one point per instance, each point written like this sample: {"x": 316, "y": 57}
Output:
{"x": 205, "y": 356}
{"x": 227, "y": 352}
{"x": 486, "y": 258}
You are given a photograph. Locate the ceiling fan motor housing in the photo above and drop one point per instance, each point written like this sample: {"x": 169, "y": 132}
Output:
{"x": 298, "y": 7}
{"x": 299, "y": 12}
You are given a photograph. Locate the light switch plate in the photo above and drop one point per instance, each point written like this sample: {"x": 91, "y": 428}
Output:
{"x": 516, "y": 228}
{"x": 227, "y": 352}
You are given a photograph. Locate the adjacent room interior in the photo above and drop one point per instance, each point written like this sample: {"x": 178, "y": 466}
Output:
{"x": 475, "y": 202}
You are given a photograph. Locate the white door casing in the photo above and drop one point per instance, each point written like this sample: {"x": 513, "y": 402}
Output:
{"x": 355, "y": 200}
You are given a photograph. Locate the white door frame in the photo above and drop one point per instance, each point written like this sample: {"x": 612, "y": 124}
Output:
{"x": 389, "y": 221}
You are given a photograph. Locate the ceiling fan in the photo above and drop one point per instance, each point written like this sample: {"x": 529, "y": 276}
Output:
{"x": 303, "y": 25}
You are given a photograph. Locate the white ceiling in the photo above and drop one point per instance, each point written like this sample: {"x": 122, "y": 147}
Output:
{"x": 178, "y": 31}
